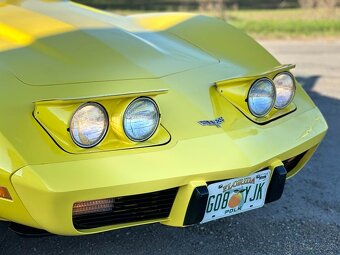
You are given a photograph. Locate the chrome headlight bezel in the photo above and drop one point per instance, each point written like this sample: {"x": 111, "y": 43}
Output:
{"x": 104, "y": 131}
{"x": 272, "y": 101}
{"x": 131, "y": 104}
{"x": 293, "y": 91}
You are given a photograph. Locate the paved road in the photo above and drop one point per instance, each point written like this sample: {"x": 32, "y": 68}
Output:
{"x": 305, "y": 221}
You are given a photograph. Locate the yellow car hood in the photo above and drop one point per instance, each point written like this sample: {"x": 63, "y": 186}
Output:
{"x": 62, "y": 50}
{"x": 59, "y": 45}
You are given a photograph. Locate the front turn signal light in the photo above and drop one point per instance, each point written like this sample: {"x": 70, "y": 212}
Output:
{"x": 93, "y": 206}
{"x": 4, "y": 193}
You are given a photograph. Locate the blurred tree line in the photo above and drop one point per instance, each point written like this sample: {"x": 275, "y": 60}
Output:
{"x": 206, "y": 5}
{"x": 318, "y": 3}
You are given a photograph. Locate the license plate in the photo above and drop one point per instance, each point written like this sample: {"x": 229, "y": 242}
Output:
{"x": 235, "y": 196}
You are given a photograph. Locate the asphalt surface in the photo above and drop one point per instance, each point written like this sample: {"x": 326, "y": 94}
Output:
{"x": 305, "y": 221}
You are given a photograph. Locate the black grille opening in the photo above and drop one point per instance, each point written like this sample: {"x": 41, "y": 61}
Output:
{"x": 291, "y": 163}
{"x": 128, "y": 209}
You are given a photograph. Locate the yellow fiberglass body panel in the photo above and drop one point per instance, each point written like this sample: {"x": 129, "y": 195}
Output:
{"x": 56, "y": 56}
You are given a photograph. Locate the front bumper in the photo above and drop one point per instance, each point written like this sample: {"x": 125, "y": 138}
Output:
{"x": 49, "y": 191}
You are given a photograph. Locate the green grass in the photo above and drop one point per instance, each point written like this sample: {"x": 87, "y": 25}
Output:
{"x": 283, "y": 23}
{"x": 288, "y": 23}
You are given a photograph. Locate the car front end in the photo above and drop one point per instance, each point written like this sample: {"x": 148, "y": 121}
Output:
{"x": 82, "y": 156}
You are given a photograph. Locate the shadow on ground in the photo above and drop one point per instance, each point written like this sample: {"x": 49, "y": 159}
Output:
{"x": 305, "y": 221}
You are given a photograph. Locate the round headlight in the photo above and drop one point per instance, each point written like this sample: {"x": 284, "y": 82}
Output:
{"x": 141, "y": 119}
{"x": 261, "y": 97}
{"x": 285, "y": 89}
{"x": 89, "y": 125}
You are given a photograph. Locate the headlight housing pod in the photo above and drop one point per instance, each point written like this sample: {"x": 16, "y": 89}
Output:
{"x": 141, "y": 119}
{"x": 89, "y": 125}
{"x": 261, "y": 97}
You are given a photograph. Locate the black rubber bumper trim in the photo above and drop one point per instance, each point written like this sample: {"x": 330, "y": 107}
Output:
{"x": 277, "y": 184}
{"x": 197, "y": 205}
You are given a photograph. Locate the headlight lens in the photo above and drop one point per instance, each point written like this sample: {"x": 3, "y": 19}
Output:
{"x": 141, "y": 119}
{"x": 89, "y": 125}
{"x": 285, "y": 89}
{"x": 261, "y": 97}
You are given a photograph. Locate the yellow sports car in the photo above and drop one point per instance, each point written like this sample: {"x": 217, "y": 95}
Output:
{"x": 114, "y": 121}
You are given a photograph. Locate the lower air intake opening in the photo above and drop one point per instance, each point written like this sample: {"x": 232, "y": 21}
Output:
{"x": 291, "y": 163}
{"x": 127, "y": 209}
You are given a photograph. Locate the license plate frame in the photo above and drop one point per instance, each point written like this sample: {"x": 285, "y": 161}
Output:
{"x": 238, "y": 195}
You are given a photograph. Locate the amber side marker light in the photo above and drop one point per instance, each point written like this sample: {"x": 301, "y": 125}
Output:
{"x": 94, "y": 206}
{"x": 4, "y": 193}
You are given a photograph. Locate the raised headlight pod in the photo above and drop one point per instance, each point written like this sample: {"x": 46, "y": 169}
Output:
{"x": 89, "y": 125}
{"x": 285, "y": 89}
{"x": 141, "y": 119}
{"x": 261, "y": 97}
